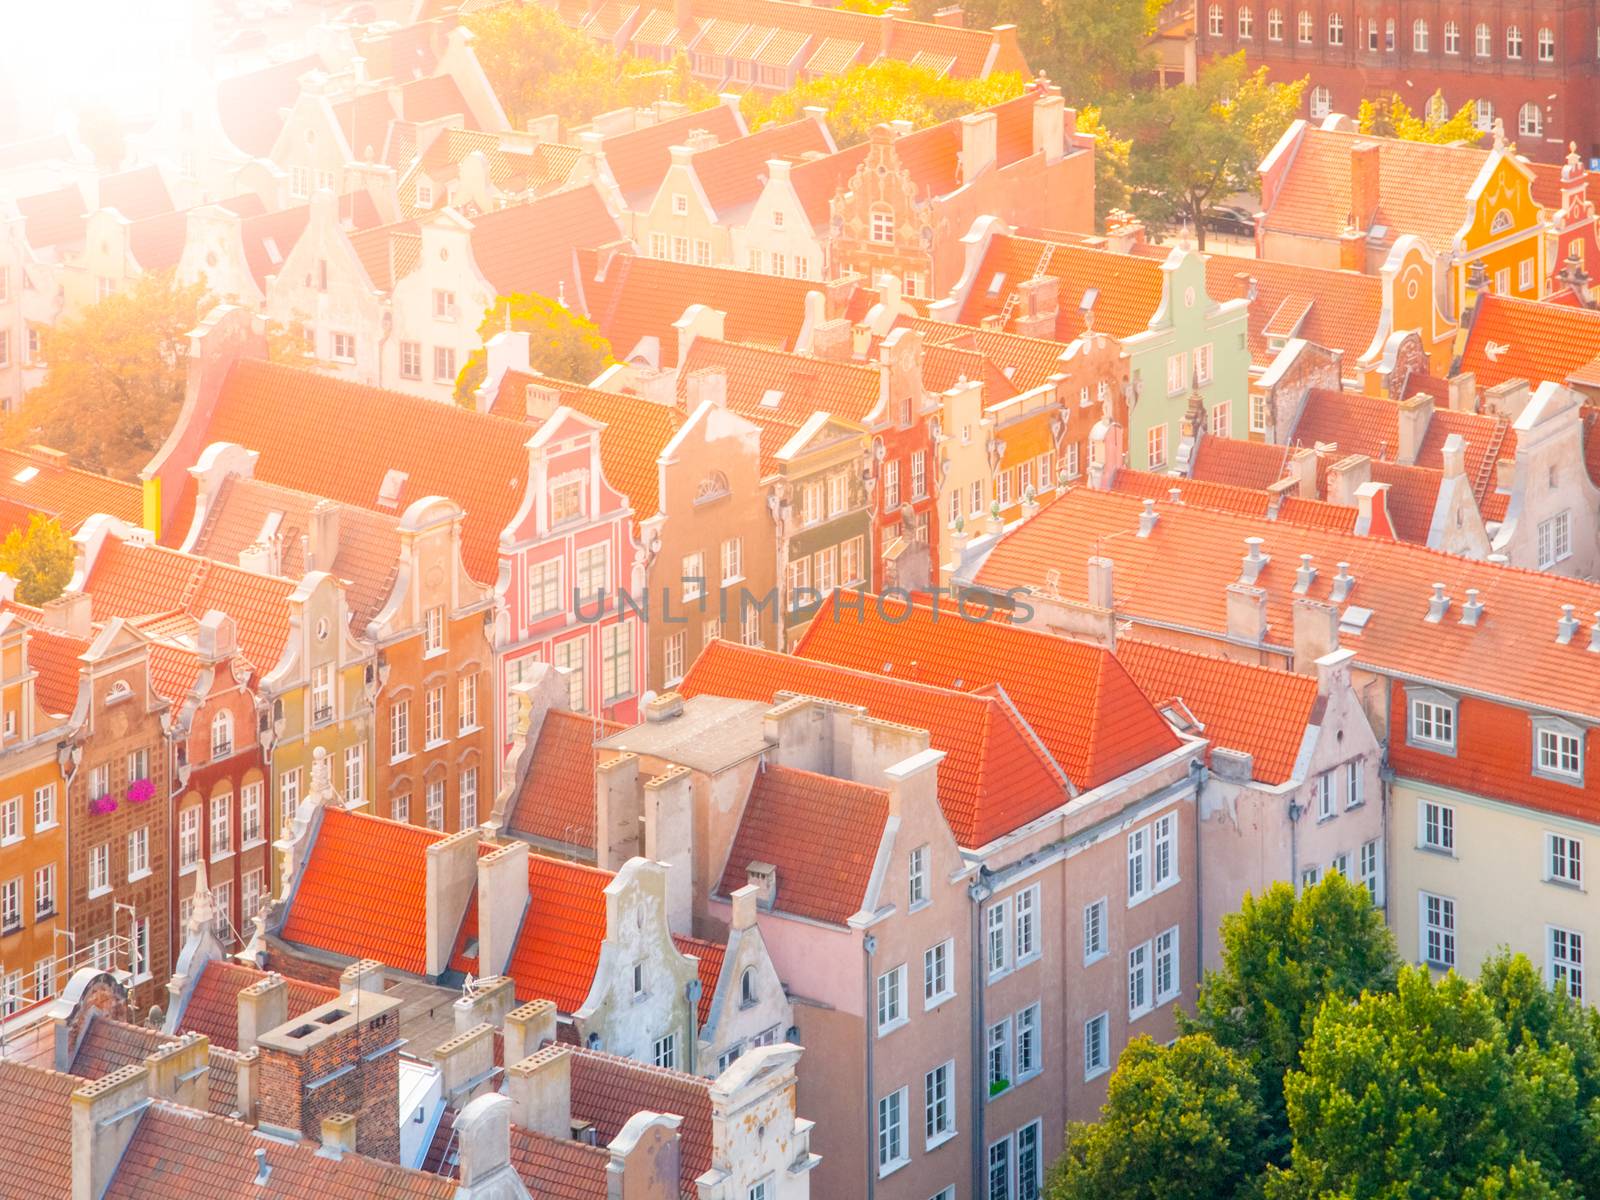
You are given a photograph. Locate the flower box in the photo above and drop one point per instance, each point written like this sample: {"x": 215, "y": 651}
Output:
{"x": 101, "y": 805}
{"x": 140, "y": 790}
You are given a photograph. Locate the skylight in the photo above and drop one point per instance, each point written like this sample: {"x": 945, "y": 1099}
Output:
{"x": 26, "y": 475}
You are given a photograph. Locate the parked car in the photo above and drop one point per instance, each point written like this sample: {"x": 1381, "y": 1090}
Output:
{"x": 1230, "y": 218}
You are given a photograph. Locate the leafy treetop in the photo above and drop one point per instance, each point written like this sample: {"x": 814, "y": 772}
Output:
{"x": 1388, "y": 116}
{"x": 39, "y": 558}
{"x": 561, "y": 344}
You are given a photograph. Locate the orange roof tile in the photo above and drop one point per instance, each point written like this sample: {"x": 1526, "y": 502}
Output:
{"x": 36, "y": 1136}
{"x": 708, "y": 956}
{"x": 1523, "y": 339}
{"x": 1075, "y": 697}
{"x": 558, "y": 946}
{"x": 639, "y": 158}
{"x": 733, "y": 173}
{"x": 553, "y": 1168}
{"x": 47, "y": 483}
{"x": 1339, "y": 310}
{"x": 336, "y": 909}
{"x": 765, "y": 382}
{"x": 529, "y": 247}
{"x": 213, "y": 1005}
{"x": 136, "y": 194}
{"x": 556, "y": 800}
{"x": 1027, "y": 362}
{"x": 608, "y": 1091}
{"x": 338, "y": 439}
{"x": 157, "y": 242}
{"x": 821, "y": 833}
{"x": 379, "y": 250}
{"x": 252, "y": 106}
{"x": 994, "y": 777}
{"x": 1129, "y": 287}
{"x": 1240, "y": 463}
{"x": 1259, "y": 710}
{"x": 53, "y": 218}
{"x": 434, "y": 98}
{"x": 55, "y": 658}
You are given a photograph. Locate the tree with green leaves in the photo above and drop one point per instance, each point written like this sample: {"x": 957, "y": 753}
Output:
{"x": 1195, "y": 146}
{"x": 1283, "y": 957}
{"x": 1180, "y": 1122}
{"x": 1390, "y": 116}
{"x": 875, "y": 93}
{"x": 538, "y": 64}
{"x": 1111, "y": 155}
{"x": 39, "y": 558}
{"x": 561, "y": 344}
{"x": 1418, "y": 1092}
{"x": 116, "y": 377}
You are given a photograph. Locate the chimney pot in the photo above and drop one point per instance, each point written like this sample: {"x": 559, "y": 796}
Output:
{"x": 1343, "y": 582}
{"x": 1438, "y": 604}
{"x": 1567, "y": 627}
{"x": 1305, "y": 576}
{"x": 1594, "y": 634}
{"x": 1472, "y": 610}
{"x": 1254, "y": 561}
{"x": 1148, "y": 518}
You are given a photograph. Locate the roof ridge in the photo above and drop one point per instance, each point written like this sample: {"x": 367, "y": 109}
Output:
{"x": 866, "y": 789}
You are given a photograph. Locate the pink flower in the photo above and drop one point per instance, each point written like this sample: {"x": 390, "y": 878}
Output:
{"x": 101, "y": 805}
{"x": 139, "y": 791}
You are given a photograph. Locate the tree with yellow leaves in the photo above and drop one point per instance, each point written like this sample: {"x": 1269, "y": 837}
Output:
{"x": 1390, "y": 116}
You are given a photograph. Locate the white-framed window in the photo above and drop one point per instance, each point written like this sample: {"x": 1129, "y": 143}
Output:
{"x": 1094, "y": 931}
{"x": 881, "y": 224}
{"x": 189, "y": 837}
{"x": 1069, "y": 460}
{"x": 44, "y": 978}
{"x": 1438, "y": 929}
{"x": 321, "y": 694}
{"x": 1030, "y": 1166}
{"x": 694, "y": 576}
{"x": 1563, "y": 856}
{"x": 1555, "y": 539}
{"x": 1558, "y": 750}
{"x": 666, "y": 1052}
{"x": 572, "y": 656}
{"x": 732, "y": 560}
{"x": 892, "y": 1000}
{"x": 355, "y": 774}
{"x": 424, "y": 194}
{"x": 1177, "y": 373}
{"x": 100, "y": 863}
{"x": 1483, "y": 40}
{"x": 853, "y": 561}
{"x": 680, "y": 204}
{"x": 616, "y": 661}
{"x": 998, "y": 1186}
{"x": 893, "y": 1152}
{"x": 250, "y": 827}
{"x": 1307, "y": 27}
{"x": 444, "y": 304}
{"x": 1324, "y": 794}
{"x": 1354, "y": 785}
{"x": 997, "y": 943}
{"x": 468, "y": 801}
{"x": 1246, "y": 23}
{"x": 672, "y": 656}
{"x": 1371, "y": 870}
{"x": 1525, "y": 274}
{"x": 658, "y": 245}
{"x": 433, "y": 804}
{"x": 1025, "y": 909}
{"x": 433, "y": 630}
{"x": 44, "y": 891}
{"x": 410, "y": 360}
{"x": 938, "y": 978}
{"x": 139, "y": 951}
{"x": 568, "y": 498}
{"x": 1214, "y": 16}
{"x": 11, "y": 820}
{"x": 1433, "y": 722}
{"x": 289, "y": 788}
{"x": 399, "y": 730}
{"x": 1275, "y": 24}
{"x": 1388, "y": 34}
{"x": 891, "y": 484}
{"x": 680, "y": 248}
{"x": 1030, "y": 1054}
{"x": 433, "y": 716}
{"x": 222, "y": 734}
{"x": 1138, "y": 872}
{"x": 1564, "y": 955}
{"x": 702, "y": 252}
{"x": 400, "y": 808}
{"x": 1139, "y": 995}
{"x": 299, "y": 182}
{"x": 467, "y": 702}
{"x": 1483, "y": 115}
{"x": 1168, "y": 981}
{"x": 1335, "y": 29}
{"x": 44, "y": 807}
{"x": 1437, "y": 827}
{"x": 544, "y": 587}
{"x": 1530, "y": 120}
{"x": 344, "y": 347}
{"x": 221, "y": 826}
{"x": 1513, "y": 41}
{"x": 254, "y": 887}
{"x": 997, "y": 1056}
{"x": 1156, "y": 446}
{"x": 11, "y": 914}
{"x": 1202, "y": 362}
{"x": 1547, "y": 44}
{"x": 1309, "y": 877}
{"x": 1096, "y": 1050}
{"x": 1419, "y": 36}
{"x": 444, "y": 363}
{"x": 938, "y": 1105}
{"x": 917, "y": 876}
{"x": 139, "y": 853}
{"x": 919, "y": 474}
{"x": 1219, "y": 419}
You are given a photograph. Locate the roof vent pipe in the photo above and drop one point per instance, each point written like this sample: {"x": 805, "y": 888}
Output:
{"x": 1594, "y": 634}
{"x": 1305, "y": 576}
{"x": 1343, "y": 582}
{"x": 1148, "y": 518}
{"x": 1438, "y": 604}
{"x": 1472, "y": 610}
{"x": 1567, "y": 626}
{"x": 1254, "y": 561}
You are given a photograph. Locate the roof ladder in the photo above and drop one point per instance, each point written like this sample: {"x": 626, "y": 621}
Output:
{"x": 1039, "y": 272}
{"x": 1491, "y": 461}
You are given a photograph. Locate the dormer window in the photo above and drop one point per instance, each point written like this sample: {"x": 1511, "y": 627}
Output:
{"x": 222, "y": 735}
{"x": 1432, "y": 723}
{"x": 680, "y": 204}
{"x": 567, "y": 500}
{"x": 1557, "y": 750}
{"x": 747, "y": 987}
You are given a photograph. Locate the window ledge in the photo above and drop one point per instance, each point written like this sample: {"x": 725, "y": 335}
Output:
{"x": 1437, "y": 851}
{"x": 933, "y": 1003}
{"x": 12, "y": 840}
{"x": 435, "y": 744}
{"x": 889, "y": 1169}
{"x": 254, "y": 842}
{"x": 934, "y": 1143}
{"x": 400, "y": 758}
{"x": 427, "y": 654}
{"x": 1032, "y": 958}
{"x": 46, "y": 827}
{"x": 1567, "y": 884}
{"x": 136, "y": 876}
{"x": 468, "y": 729}
{"x": 96, "y": 893}
{"x": 1094, "y": 1073}
{"x": 220, "y": 857}
{"x": 897, "y": 1023}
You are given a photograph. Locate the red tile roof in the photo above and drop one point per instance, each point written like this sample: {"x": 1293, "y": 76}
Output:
{"x": 157, "y": 242}
{"x": 553, "y": 1168}
{"x": 108, "y": 1045}
{"x": 1180, "y": 574}
{"x": 803, "y": 385}
{"x": 1075, "y": 697}
{"x": 708, "y": 956}
{"x": 994, "y": 776}
{"x": 1027, "y": 362}
{"x": 1259, "y": 710}
{"x": 558, "y": 946}
{"x": 338, "y": 439}
{"x": 1240, "y": 463}
{"x": 213, "y": 1005}
{"x": 252, "y": 107}
{"x": 36, "y": 1136}
{"x": 608, "y": 1091}
{"x": 639, "y": 158}
{"x": 54, "y": 218}
{"x": 821, "y": 833}
{"x": 1524, "y": 339}
{"x": 136, "y": 194}
{"x": 1200, "y": 493}
{"x": 1129, "y": 287}
{"x": 1339, "y": 310}
{"x": 47, "y": 483}
{"x": 434, "y": 98}
{"x": 55, "y": 658}
{"x": 733, "y": 173}
{"x": 336, "y": 908}
{"x": 556, "y": 800}
{"x": 530, "y": 247}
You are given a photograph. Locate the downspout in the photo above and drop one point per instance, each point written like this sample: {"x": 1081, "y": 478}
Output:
{"x": 869, "y": 945}
{"x": 978, "y": 891}
{"x": 387, "y": 321}
{"x": 1198, "y": 775}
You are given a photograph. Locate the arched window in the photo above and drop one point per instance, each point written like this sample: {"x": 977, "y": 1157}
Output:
{"x": 1321, "y": 103}
{"x": 1482, "y": 40}
{"x": 1547, "y": 45}
{"x": 747, "y": 987}
{"x": 1513, "y": 41}
{"x": 1419, "y": 36}
{"x": 1214, "y": 20}
{"x": 1307, "y": 25}
{"x": 222, "y": 734}
{"x": 1335, "y": 29}
{"x": 1483, "y": 115}
{"x": 1452, "y": 38}
{"x": 1247, "y": 22}
{"x": 713, "y": 487}
{"x": 1275, "y": 24}
{"x": 1388, "y": 34}
{"x": 1530, "y": 122}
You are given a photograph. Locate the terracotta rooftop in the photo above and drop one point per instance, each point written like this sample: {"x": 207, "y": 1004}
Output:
{"x": 157, "y": 242}
{"x": 529, "y": 247}
{"x": 1525, "y": 339}
{"x": 764, "y": 383}
{"x": 639, "y": 158}
{"x": 708, "y": 956}
{"x": 1076, "y": 698}
{"x": 1338, "y": 310}
{"x": 608, "y": 1091}
{"x": 995, "y": 775}
{"x": 36, "y": 1136}
{"x": 54, "y": 657}
{"x": 107, "y": 1045}
{"x": 336, "y": 908}
{"x": 556, "y": 801}
{"x": 733, "y": 173}
{"x": 1261, "y": 711}
{"x": 1128, "y": 287}
{"x": 1027, "y": 362}
{"x": 213, "y": 1005}
{"x": 47, "y": 483}
{"x": 252, "y": 106}
{"x": 552, "y": 1168}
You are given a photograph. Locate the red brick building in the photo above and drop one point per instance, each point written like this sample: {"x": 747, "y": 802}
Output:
{"x": 1532, "y": 66}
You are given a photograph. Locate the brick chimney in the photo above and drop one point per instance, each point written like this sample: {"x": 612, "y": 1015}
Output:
{"x": 1039, "y": 303}
{"x": 105, "y": 1115}
{"x": 490, "y": 1000}
{"x": 528, "y": 1028}
{"x": 1316, "y": 633}
{"x": 263, "y": 1005}
{"x": 1345, "y": 476}
{"x": 832, "y": 340}
{"x": 1247, "y": 613}
{"x": 324, "y": 535}
{"x": 340, "y": 1057}
{"x": 1415, "y": 414}
{"x": 502, "y": 903}
{"x": 540, "y": 1087}
{"x": 979, "y": 144}
{"x": 1364, "y": 184}
{"x": 452, "y": 873}
{"x": 181, "y": 1071}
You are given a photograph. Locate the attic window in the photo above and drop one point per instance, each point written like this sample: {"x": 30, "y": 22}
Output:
{"x": 1354, "y": 619}
{"x": 26, "y": 475}
{"x": 997, "y": 282}
{"x": 772, "y": 398}
{"x": 389, "y": 493}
